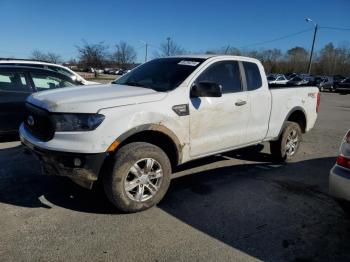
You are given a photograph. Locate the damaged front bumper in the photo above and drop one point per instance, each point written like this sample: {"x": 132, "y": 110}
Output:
{"x": 83, "y": 169}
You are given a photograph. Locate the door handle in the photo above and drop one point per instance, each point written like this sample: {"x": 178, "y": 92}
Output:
{"x": 240, "y": 103}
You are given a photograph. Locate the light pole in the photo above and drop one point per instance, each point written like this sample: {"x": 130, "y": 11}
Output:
{"x": 313, "y": 43}
{"x": 168, "y": 50}
{"x": 146, "y": 48}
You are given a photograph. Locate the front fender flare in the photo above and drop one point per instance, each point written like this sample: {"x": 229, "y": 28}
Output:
{"x": 154, "y": 127}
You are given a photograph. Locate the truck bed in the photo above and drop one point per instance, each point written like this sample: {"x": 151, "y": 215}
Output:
{"x": 287, "y": 99}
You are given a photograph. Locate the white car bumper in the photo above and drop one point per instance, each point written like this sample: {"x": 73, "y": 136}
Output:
{"x": 339, "y": 182}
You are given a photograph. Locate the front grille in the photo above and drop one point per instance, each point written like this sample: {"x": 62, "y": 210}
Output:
{"x": 39, "y": 123}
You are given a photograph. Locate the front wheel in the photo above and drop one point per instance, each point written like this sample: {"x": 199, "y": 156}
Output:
{"x": 139, "y": 178}
{"x": 286, "y": 147}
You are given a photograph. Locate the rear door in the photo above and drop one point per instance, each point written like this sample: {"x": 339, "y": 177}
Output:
{"x": 219, "y": 123}
{"x": 14, "y": 90}
{"x": 260, "y": 103}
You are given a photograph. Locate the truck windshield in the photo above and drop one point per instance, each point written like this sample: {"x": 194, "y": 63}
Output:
{"x": 162, "y": 74}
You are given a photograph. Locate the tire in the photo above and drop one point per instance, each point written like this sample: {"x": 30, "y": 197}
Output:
{"x": 321, "y": 89}
{"x": 147, "y": 185}
{"x": 280, "y": 149}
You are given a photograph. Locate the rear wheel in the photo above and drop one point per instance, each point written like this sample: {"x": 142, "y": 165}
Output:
{"x": 139, "y": 178}
{"x": 286, "y": 147}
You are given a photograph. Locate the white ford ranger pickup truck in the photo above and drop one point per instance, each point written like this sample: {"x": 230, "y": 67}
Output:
{"x": 168, "y": 111}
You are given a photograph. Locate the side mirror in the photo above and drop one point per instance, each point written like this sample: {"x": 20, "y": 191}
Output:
{"x": 206, "y": 89}
{"x": 76, "y": 79}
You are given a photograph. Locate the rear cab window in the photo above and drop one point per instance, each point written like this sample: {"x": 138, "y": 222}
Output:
{"x": 252, "y": 75}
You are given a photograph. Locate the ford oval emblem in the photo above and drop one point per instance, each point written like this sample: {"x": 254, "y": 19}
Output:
{"x": 30, "y": 120}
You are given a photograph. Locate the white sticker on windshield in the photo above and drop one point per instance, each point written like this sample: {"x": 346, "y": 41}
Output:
{"x": 188, "y": 63}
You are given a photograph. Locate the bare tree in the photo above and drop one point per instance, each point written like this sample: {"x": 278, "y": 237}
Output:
{"x": 124, "y": 55}
{"x": 54, "y": 58}
{"x": 170, "y": 48}
{"x": 48, "y": 57}
{"x": 92, "y": 55}
{"x": 270, "y": 58}
{"x": 341, "y": 61}
{"x": 38, "y": 55}
{"x": 233, "y": 51}
{"x": 297, "y": 58}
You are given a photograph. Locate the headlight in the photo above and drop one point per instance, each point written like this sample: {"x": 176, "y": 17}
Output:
{"x": 77, "y": 122}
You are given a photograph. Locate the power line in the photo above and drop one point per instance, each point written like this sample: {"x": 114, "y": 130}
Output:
{"x": 277, "y": 39}
{"x": 335, "y": 28}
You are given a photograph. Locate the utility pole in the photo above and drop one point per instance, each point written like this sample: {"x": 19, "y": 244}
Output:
{"x": 146, "y": 48}
{"x": 146, "y": 52}
{"x": 313, "y": 44}
{"x": 168, "y": 50}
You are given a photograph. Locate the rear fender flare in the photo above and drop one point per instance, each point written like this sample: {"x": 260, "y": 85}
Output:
{"x": 297, "y": 108}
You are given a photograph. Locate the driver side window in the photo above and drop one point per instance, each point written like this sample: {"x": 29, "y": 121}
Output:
{"x": 224, "y": 73}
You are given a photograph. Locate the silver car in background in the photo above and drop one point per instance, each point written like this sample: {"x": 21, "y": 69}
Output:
{"x": 339, "y": 178}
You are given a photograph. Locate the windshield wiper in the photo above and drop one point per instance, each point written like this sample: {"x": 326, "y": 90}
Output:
{"x": 141, "y": 85}
{"x": 134, "y": 84}
{"x": 131, "y": 83}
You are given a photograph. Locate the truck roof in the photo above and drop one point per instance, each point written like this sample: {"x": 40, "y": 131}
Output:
{"x": 207, "y": 56}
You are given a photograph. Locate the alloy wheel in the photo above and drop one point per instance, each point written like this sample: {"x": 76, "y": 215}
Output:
{"x": 143, "y": 180}
{"x": 292, "y": 142}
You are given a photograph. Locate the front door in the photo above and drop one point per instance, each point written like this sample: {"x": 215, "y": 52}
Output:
{"x": 219, "y": 123}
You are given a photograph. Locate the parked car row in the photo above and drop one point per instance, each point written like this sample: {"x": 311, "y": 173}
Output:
{"x": 290, "y": 80}
{"x": 336, "y": 83}
{"x": 277, "y": 79}
{"x": 115, "y": 71}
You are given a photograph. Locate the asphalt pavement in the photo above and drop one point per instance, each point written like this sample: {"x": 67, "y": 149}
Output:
{"x": 238, "y": 206}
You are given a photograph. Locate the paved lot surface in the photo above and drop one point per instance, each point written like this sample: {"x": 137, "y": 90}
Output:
{"x": 237, "y": 206}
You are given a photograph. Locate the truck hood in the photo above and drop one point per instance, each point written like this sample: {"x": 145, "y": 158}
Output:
{"x": 92, "y": 98}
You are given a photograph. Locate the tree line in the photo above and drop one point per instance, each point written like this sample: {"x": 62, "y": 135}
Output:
{"x": 329, "y": 60}
{"x": 98, "y": 55}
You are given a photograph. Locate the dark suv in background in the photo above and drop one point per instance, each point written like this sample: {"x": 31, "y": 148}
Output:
{"x": 344, "y": 86}
{"x": 324, "y": 83}
{"x": 16, "y": 84}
